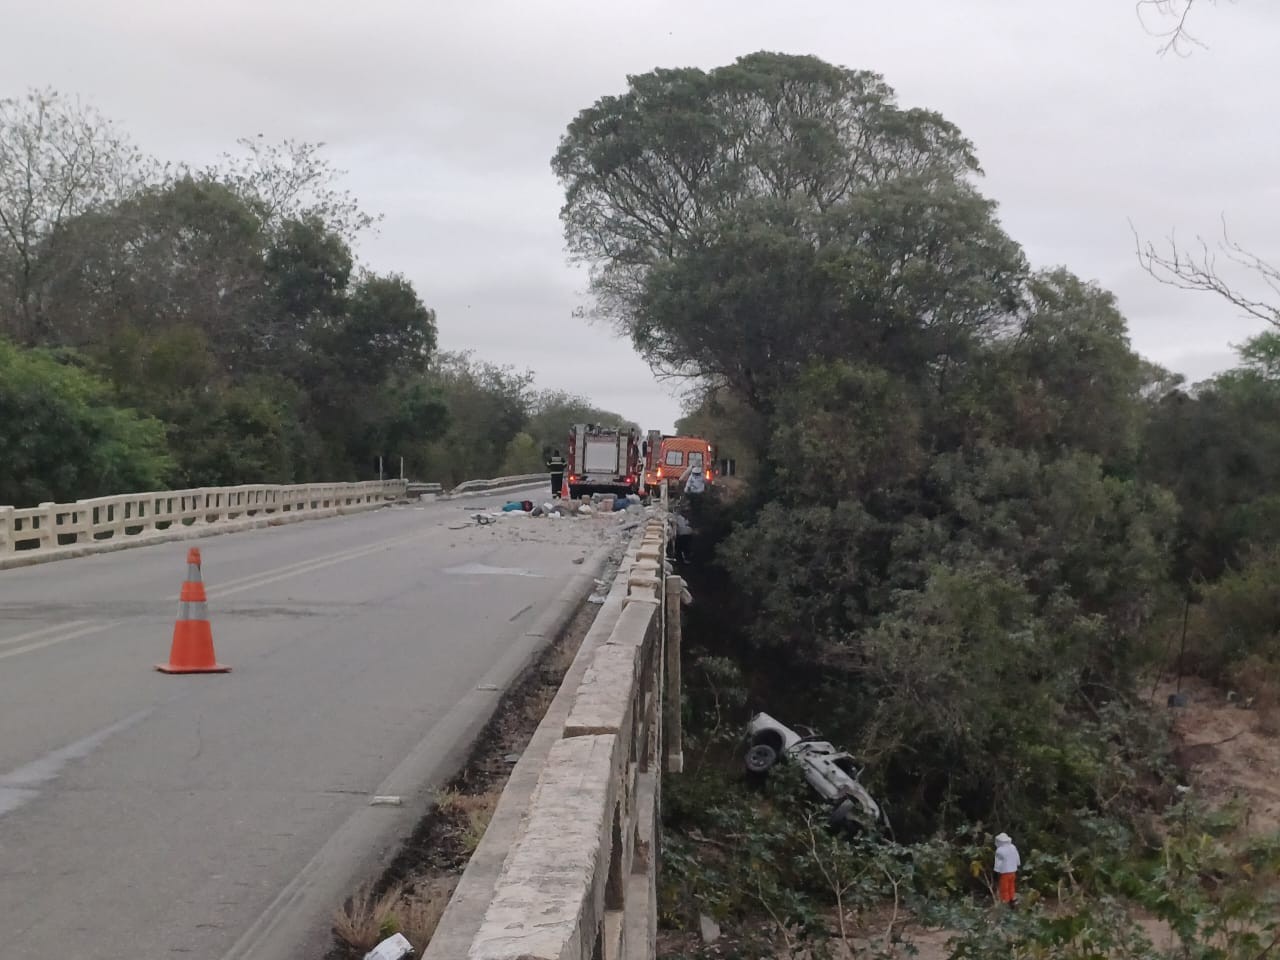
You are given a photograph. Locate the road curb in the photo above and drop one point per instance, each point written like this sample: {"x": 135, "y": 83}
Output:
{"x": 467, "y": 906}
{"x": 294, "y": 919}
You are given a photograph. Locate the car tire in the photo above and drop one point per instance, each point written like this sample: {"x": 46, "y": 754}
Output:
{"x": 760, "y": 759}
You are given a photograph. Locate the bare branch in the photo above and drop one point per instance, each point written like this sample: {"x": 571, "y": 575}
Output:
{"x": 1176, "y": 38}
{"x": 1199, "y": 271}
{"x": 58, "y": 159}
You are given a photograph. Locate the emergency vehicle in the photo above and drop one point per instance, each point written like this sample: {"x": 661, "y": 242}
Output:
{"x": 667, "y": 458}
{"x": 603, "y": 460}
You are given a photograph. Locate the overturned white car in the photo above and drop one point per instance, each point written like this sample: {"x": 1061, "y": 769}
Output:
{"x": 832, "y": 773}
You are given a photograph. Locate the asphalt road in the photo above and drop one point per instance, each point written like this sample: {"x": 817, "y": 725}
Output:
{"x": 220, "y": 817}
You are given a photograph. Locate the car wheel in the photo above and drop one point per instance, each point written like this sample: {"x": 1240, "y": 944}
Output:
{"x": 760, "y": 758}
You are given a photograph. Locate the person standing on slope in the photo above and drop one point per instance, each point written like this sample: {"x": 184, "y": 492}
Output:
{"x": 1006, "y": 869}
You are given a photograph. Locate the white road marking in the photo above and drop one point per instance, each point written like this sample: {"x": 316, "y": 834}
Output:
{"x": 23, "y": 784}
{"x": 83, "y": 628}
{"x": 44, "y": 631}
{"x": 82, "y": 632}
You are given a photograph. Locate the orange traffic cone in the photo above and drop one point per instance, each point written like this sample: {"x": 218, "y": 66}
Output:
{"x": 192, "y": 650}
{"x": 564, "y": 489}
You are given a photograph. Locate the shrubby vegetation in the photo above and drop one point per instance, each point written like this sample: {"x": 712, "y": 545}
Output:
{"x": 975, "y": 519}
{"x": 170, "y": 326}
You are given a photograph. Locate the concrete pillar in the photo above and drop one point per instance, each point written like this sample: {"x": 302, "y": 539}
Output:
{"x": 671, "y": 708}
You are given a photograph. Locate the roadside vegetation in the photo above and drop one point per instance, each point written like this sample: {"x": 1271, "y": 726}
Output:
{"x": 169, "y": 326}
{"x": 979, "y": 531}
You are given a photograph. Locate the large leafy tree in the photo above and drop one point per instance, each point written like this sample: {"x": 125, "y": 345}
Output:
{"x": 648, "y": 171}
{"x": 187, "y": 253}
{"x": 62, "y": 438}
{"x": 1217, "y": 446}
{"x": 909, "y": 273}
{"x": 946, "y": 440}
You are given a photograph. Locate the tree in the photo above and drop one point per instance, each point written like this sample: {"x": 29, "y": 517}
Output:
{"x": 308, "y": 268}
{"x": 1065, "y": 379}
{"x": 553, "y": 412}
{"x": 646, "y": 171}
{"x": 1217, "y": 447}
{"x": 62, "y": 439}
{"x": 58, "y": 160}
{"x": 487, "y": 407}
{"x": 906, "y": 273}
{"x": 291, "y": 182}
{"x": 188, "y": 253}
{"x": 522, "y": 457}
{"x": 386, "y": 330}
{"x": 720, "y": 416}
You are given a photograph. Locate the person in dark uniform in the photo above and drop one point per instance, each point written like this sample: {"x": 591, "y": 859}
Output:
{"x": 555, "y": 466}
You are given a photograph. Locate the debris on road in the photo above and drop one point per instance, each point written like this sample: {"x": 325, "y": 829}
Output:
{"x": 385, "y": 801}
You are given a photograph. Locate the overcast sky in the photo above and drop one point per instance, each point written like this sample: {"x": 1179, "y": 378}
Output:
{"x": 446, "y": 115}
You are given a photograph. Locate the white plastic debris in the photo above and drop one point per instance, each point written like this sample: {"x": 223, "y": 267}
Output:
{"x": 709, "y": 929}
{"x": 385, "y": 801}
{"x": 395, "y": 947}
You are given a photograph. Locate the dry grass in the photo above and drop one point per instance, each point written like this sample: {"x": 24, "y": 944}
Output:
{"x": 474, "y": 810}
{"x": 428, "y": 869}
{"x": 364, "y": 921}
{"x": 413, "y": 910}
{"x": 417, "y": 914}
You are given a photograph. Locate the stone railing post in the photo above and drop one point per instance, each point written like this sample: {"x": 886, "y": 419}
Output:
{"x": 48, "y": 526}
{"x": 6, "y": 530}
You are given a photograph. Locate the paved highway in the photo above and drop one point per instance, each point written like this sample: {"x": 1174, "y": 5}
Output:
{"x": 221, "y": 817}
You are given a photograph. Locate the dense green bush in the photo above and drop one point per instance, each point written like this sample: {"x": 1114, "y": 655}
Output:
{"x": 61, "y": 437}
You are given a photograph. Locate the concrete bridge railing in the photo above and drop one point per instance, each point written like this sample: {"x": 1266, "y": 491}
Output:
{"x": 472, "y": 486}
{"x": 568, "y": 867}
{"x": 55, "y": 530}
